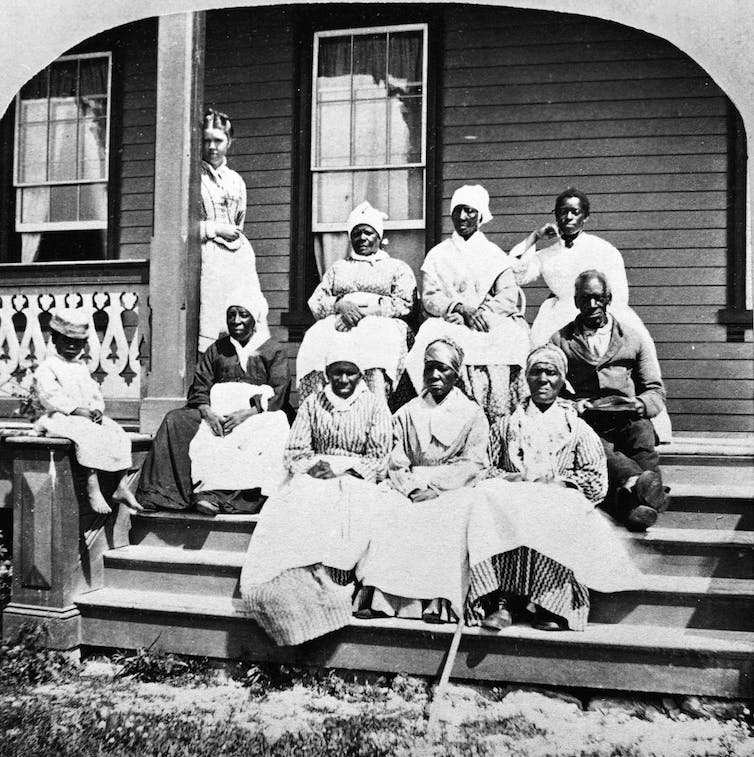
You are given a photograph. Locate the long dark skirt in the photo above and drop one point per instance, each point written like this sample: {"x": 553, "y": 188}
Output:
{"x": 165, "y": 480}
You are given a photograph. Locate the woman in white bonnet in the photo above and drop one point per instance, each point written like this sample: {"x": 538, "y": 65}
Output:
{"x": 238, "y": 377}
{"x": 364, "y": 297}
{"x": 470, "y": 295}
{"x": 73, "y": 408}
{"x": 297, "y": 578}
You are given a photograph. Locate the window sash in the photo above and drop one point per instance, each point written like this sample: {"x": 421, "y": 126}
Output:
{"x": 106, "y": 116}
{"x": 315, "y": 163}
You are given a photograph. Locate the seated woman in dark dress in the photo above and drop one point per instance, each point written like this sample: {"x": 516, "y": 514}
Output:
{"x": 230, "y": 416}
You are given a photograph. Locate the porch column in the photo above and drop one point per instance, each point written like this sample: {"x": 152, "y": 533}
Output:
{"x": 175, "y": 254}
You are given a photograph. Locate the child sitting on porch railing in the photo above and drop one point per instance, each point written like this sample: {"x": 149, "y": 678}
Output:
{"x": 73, "y": 409}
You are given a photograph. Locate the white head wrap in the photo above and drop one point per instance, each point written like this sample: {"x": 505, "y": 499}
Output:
{"x": 251, "y": 300}
{"x": 365, "y": 213}
{"x": 345, "y": 348}
{"x": 70, "y": 322}
{"x": 475, "y": 196}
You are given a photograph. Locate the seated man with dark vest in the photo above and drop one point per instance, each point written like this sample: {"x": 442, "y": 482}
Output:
{"x": 617, "y": 387}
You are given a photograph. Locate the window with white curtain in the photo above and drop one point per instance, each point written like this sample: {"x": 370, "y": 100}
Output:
{"x": 61, "y": 157}
{"x": 369, "y": 135}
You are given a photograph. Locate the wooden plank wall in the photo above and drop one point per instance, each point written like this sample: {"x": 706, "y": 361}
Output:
{"x": 249, "y": 74}
{"x": 137, "y": 53}
{"x": 533, "y": 102}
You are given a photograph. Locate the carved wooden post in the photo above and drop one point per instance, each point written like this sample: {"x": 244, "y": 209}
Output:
{"x": 57, "y": 540}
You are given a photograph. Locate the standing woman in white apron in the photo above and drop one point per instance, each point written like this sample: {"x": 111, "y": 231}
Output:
{"x": 227, "y": 257}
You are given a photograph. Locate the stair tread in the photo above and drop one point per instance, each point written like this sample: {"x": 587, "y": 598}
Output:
{"x": 615, "y": 635}
{"x": 700, "y": 536}
{"x": 652, "y": 583}
{"x": 176, "y": 556}
{"x": 192, "y": 515}
{"x": 715, "y": 482}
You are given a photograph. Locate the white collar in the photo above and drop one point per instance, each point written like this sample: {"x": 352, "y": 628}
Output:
{"x": 343, "y": 404}
{"x": 245, "y": 351}
{"x": 442, "y": 422}
{"x": 375, "y": 257}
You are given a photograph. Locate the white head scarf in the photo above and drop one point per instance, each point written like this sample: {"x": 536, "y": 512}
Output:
{"x": 346, "y": 350}
{"x": 365, "y": 213}
{"x": 255, "y": 303}
{"x": 475, "y": 196}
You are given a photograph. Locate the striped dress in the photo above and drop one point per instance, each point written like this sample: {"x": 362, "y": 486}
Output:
{"x": 297, "y": 578}
{"x": 572, "y": 454}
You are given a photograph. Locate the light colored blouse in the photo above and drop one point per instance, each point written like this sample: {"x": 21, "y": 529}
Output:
{"x": 223, "y": 194}
{"x": 361, "y": 431}
{"x": 474, "y": 272}
{"x": 63, "y": 385}
{"x": 442, "y": 447}
{"x": 390, "y": 281}
{"x": 557, "y": 443}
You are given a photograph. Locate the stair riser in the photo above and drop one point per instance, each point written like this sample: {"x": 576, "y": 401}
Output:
{"x": 666, "y": 559}
{"x": 666, "y": 610}
{"x": 484, "y": 658}
{"x": 203, "y": 535}
{"x": 205, "y": 580}
{"x": 728, "y": 613}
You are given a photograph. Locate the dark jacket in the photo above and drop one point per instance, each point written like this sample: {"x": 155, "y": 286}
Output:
{"x": 629, "y": 368}
{"x": 267, "y": 365}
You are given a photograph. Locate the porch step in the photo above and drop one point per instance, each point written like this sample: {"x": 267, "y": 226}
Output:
{"x": 663, "y": 600}
{"x": 192, "y": 531}
{"x": 708, "y": 451}
{"x": 605, "y": 656}
{"x": 693, "y": 552}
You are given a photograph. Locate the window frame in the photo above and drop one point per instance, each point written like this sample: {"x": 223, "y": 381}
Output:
{"x": 418, "y": 224}
{"x": 51, "y": 226}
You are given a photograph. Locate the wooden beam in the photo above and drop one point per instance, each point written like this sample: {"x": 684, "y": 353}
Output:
{"x": 175, "y": 255}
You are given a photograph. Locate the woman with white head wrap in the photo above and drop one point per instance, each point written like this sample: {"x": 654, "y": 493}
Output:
{"x": 534, "y": 532}
{"x": 469, "y": 293}
{"x": 366, "y": 295}
{"x": 297, "y": 578}
{"x": 223, "y": 451}
{"x": 416, "y": 563}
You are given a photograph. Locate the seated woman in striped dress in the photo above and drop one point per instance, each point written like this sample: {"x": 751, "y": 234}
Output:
{"x": 366, "y": 298}
{"x": 534, "y": 533}
{"x": 298, "y": 573}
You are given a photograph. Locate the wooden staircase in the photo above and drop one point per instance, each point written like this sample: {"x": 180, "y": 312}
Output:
{"x": 689, "y": 630}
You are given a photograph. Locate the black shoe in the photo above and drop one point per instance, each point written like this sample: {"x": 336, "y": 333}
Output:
{"x": 544, "y": 620}
{"x": 499, "y": 618}
{"x": 649, "y": 490}
{"x": 641, "y": 518}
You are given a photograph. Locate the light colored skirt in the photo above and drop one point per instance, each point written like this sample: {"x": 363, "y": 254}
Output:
{"x": 250, "y": 456}
{"x": 309, "y": 524}
{"x": 223, "y": 270}
{"x": 558, "y": 523}
{"x": 417, "y": 553}
{"x": 102, "y": 446}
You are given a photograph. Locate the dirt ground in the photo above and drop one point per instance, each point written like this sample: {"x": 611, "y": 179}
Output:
{"x": 336, "y": 716}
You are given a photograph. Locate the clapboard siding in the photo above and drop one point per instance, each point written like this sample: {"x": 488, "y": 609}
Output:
{"x": 533, "y": 102}
{"x": 137, "y": 54}
{"x": 249, "y": 74}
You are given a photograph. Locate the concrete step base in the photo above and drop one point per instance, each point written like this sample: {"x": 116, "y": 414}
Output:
{"x": 630, "y": 658}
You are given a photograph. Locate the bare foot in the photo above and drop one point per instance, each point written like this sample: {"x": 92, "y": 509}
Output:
{"x": 125, "y": 496}
{"x": 98, "y": 504}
